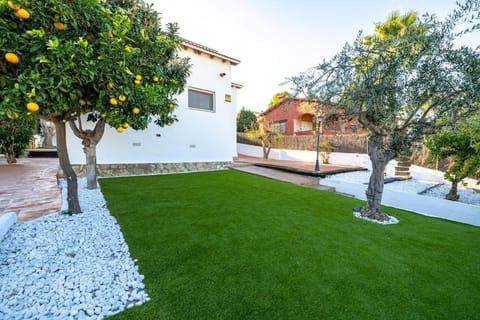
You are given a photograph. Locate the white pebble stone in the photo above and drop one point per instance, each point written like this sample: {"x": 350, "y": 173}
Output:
{"x": 68, "y": 267}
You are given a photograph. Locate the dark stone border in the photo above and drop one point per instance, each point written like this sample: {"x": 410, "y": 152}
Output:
{"x": 129, "y": 169}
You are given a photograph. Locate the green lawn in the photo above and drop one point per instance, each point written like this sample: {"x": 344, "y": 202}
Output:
{"x": 229, "y": 245}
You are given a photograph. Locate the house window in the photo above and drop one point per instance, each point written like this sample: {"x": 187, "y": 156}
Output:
{"x": 281, "y": 126}
{"x": 201, "y": 99}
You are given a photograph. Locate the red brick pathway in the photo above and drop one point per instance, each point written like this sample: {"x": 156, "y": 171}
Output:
{"x": 29, "y": 188}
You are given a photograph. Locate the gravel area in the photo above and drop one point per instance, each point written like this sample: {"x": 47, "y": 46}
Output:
{"x": 68, "y": 266}
{"x": 436, "y": 187}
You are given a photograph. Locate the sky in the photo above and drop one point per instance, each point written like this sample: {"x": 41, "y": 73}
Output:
{"x": 279, "y": 39}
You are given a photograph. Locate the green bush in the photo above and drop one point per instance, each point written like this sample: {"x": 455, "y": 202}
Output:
{"x": 15, "y": 135}
{"x": 245, "y": 119}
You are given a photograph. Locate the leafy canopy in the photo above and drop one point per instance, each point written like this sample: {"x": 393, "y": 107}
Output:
{"x": 109, "y": 59}
{"x": 463, "y": 144}
{"x": 404, "y": 81}
{"x": 245, "y": 119}
{"x": 277, "y": 97}
{"x": 15, "y": 135}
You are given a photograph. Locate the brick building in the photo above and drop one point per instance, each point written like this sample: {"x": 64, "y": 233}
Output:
{"x": 295, "y": 116}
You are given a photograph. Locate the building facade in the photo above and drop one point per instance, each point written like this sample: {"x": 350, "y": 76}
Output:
{"x": 295, "y": 116}
{"x": 204, "y": 137}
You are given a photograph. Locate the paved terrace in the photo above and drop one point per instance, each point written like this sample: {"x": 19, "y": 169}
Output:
{"x": 29, "y": 188}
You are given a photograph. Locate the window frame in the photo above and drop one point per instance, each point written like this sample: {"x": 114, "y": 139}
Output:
{"x": 205, "y": 92}
{"x": 279, "y": 125}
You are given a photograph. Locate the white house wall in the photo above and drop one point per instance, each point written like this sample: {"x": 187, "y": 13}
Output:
{"x": 198, "y": 136}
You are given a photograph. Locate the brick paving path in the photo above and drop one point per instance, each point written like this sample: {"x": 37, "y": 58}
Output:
{"x": 29, "y": 188}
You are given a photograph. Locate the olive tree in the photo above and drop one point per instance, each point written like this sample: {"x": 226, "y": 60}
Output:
{"x": 266, "y": 133}
{"x": 107, "y": 60}
{"x": 406, "y": 80}
{"x": 462, "y": 144}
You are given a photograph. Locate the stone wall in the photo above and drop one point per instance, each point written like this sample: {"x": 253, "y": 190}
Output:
{"x": 129, "y": 169}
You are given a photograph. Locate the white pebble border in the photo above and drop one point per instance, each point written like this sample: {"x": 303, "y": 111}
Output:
{"x": 414, "y": 186}
{"x": 68, "y": 266}
{"x": 391, "y": 219}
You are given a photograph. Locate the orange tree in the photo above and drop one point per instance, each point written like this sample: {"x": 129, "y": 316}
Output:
{"x": 106, "y": 60}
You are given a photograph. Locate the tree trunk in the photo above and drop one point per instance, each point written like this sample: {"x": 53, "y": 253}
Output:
{"x": 48, "y": 132}
{"x": 375, "y": 185}
{"x": 70, "y": 176}
{"x": 90, "y": 139}
{"x": 91, "y": 166}
{"x": 453, "y": 193}
{"x": 10, "y": 154}
{"x": 266, "y": 151}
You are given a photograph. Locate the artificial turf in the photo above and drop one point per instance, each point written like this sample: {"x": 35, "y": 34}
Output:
{"x": 230, "y": 245}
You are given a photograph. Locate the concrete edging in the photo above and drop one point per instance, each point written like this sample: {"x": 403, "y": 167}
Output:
{"x": 7, "y": 220}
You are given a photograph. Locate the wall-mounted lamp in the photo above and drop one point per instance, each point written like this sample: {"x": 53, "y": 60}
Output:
{"x": 223, "y": 74}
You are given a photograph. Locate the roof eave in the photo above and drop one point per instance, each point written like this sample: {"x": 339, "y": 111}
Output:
{"x": 198, "y": 48}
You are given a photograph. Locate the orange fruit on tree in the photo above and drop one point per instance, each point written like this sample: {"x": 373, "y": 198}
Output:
{"x": 82, "y": 102}
{"x": 120, "y": 129}
{"x": 169, "y": 123}
{"x": 155, "y": 79}
{"x": 138, "y": 77}
{"x": 9, "y": 116}
{"x": 113, "y": 101}
{"x": 125, "y": 125}
{"x": 171, "y": 105}
{"x": 104, "y": 115}
{"x": 110, "y": 85}
{"x": 22, "y": 14}
{"x": 122, "y": 98}
{"x": 32, "y": 106}
{"x": 12, "y": 6}
{"x": 136, "y": 110}
{"x": 59, "y": 26}
{"x": 12, "y": 57}
{"x": 137, "y": 81}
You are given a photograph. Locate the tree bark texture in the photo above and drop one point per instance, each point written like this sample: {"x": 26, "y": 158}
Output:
{"x": 453, "y": 193}
{"x": 266, "y": 150}
{"x": 10, "y": 154}
{"x": 90, "y": 139}
{"x": 48, "y": 132}
{"x": 374, "y": 191}
{"x": 70, "y": 176}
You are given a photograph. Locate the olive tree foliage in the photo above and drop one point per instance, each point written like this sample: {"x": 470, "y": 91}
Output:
{"x": 462, "y": 144}
{"x": 108, "y": 60}
{"x": 15, "y": 135}
{"x": 245, "y": 119}
{"x": 406, "y": 80}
